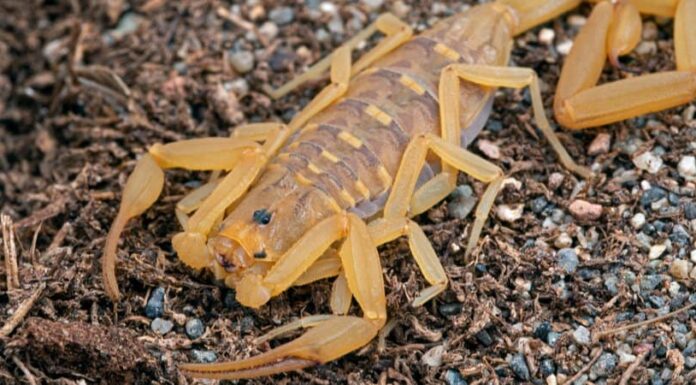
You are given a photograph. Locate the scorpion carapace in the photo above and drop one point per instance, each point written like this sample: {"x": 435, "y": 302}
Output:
{"x": 382, "y": 143}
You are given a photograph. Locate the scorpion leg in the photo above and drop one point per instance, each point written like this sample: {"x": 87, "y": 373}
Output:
{"x": 397, "y": 32}
{"x": 336, "y": 336}
{"x": 397, "y": 205}
{"x": 385, "y": 230}
{"x": 442, "y": 184}
{"x": 534, "y": 12}
{"x": 580, "y": 103}
{"x": 515, "y": 77}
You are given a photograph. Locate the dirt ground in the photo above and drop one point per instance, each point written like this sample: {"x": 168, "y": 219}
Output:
{"x": 87, "y": 86}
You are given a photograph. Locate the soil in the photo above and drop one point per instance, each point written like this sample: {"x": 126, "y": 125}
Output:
{"x": 87, "y": 86}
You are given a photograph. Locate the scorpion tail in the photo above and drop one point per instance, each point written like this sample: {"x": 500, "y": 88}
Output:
{"x": 329, "y": 340}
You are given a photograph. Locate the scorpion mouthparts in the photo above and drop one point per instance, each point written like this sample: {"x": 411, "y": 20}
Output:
{"x": 229, "y": 253}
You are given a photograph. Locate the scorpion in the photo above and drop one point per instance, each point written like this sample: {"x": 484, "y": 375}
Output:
{"x": 383, "y": 142}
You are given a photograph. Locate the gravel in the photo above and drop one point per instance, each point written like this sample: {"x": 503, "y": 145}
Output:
{"x": 204, "y": 356}
{"x": 604, "y": 366}
{"x": 568, "y": 260}
{"x": 155, "y": 305}
{"x": 518, "y": 364}
{"x": 194, "y": 328}
{"x": 161, "y": 326}
{"x": 581, "y": 335}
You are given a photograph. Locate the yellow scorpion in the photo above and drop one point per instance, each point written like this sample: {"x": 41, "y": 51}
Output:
{"x": 313, "y": 198}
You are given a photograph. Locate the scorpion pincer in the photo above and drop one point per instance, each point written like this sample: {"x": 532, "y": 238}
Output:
{"x": 314, "y": 198}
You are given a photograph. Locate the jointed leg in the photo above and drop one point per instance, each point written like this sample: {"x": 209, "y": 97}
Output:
{"x": 328, "y": 337}
{"x": 387, "y": 229}
{"x": 579, "y": 103}
{"x": 396, "y": 31}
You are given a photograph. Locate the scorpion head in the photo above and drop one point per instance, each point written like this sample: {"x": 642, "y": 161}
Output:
{"x": 259, "y": 230}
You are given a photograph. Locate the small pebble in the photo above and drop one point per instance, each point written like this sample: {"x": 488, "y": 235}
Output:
{"x": 690, "y": 210}
{"x": 373, "y": 5}
{"x": 194, "y": 328}
{"x": 648, "y": 161}
{"x": 687, "y": 167}
{"x": 555, "y": 180}
{"x": 568, "y": 260}
{"x": 612, "y": 284}
{"x": 653, "y": 194}
{"x": 547, "y": 367}
{"x": 336, "y": 25}
{"x": 585, "y": 210}
{"x": 488, "y": 148}
{"x": 646, "y": 48}
{"x": 449, "y": 309}
{"x": 268, "y": 30}
{"x": 462, "y": 203}
{"x": 638, "y": 221}
{"x": 282, "y": 15}
{"x": 204, "y": 356}
{"x": 564, "y": 47}
{"x": 577, "y": 21}
{"x": 539, "y": 203}
{"x": 546, "y": 36}
{"x": 680, "y": 236}
{"x": 484, "y": 338}
{"x": 656, "y": 251}
{"x": 242, "y": 61}
{"x": 562, "y": 241}
{"x": 604, "y": 366}
{"x": 581, "y": 335}
{"x": 679, "y": 269}
{"x": 649, "y": 282}
{"x": 600, "y": 144}
{"x": 509, "y": 213}
{"x": 542, "y": 331}
{"x": 553, "y": 338}
{"x": 155, "y": 305}
{"x": 433, "y": 357}
{"x": 161, "y": 326}
{"x": 519, "y": 366}
{"x": 453, "y": 377}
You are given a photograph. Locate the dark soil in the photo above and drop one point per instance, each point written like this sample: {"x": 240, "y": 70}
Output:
{"x": 87, "y": 86}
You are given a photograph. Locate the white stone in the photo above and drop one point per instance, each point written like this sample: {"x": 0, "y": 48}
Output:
{"x": 433, "y": 357}
{"x": 693, "y": 256}
{"x": 680, "y": 269}
{"x": 648, "y": 161}
{"x": 510, "y": 213}
{"x": 687, "y": 167}
{"x": 488, "y": 148}
{"x": 551, "y": 380}
{"x": 546, "y": 36}
{"x": 638, "y": 221}
{"x": 564, "y": 240}
{"x": 656, "y": 251}
{"x": 516, "y": 184}
{"x": 564, "y": 47}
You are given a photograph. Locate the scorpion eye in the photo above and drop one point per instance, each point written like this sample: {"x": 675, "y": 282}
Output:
{"x": 261, "y": 216}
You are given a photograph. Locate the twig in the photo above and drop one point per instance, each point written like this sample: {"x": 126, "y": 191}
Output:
{"x": 605, "y": 333}
{"x": 632, "y": 368}
{"x": 21, "y": 311}
{"x": 586, "y": 367}
{"x": 30, "y": 377}
{"x": 10, "y": 249}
